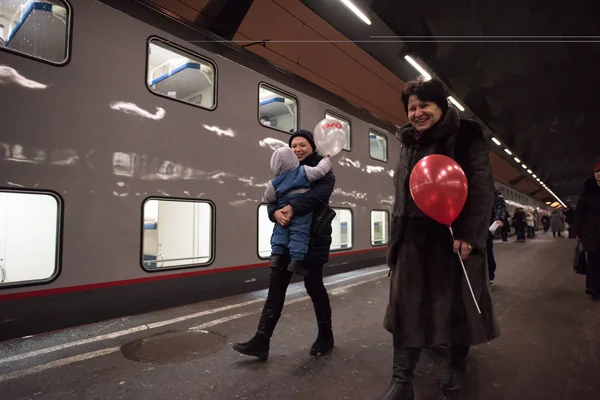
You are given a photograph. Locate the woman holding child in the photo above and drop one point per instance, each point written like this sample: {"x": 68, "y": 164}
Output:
{"x": 313, "y": 201}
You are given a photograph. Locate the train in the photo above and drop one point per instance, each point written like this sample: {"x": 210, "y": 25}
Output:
{"x": 134, "y": 155}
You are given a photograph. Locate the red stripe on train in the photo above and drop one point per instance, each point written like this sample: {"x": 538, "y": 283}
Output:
{"x": 101, "y": 285}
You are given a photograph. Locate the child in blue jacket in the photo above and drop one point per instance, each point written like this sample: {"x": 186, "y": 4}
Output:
{"x": 291, "y": 181}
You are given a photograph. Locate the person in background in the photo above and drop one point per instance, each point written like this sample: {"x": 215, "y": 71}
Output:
{"x": 530, "y": 222}
{"x": 498, "y": 216}
{"x": 315, "y": 200}
{"x": 429, "y": 301}
{"x": 587, "y": 228}
{"x": 546, "y": 222}
{"x": 570, "y": 220}
{"x": 558, "y": 225}
{"x": 520, "y": 223}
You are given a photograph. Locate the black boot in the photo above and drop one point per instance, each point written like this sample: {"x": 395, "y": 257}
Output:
{"x": 405, "y": 361}
{"x": 258, "y": 346}
{"x": 458, "y": 368}
{"x": 324, "y": 342}
{"x": 298, "y": 268}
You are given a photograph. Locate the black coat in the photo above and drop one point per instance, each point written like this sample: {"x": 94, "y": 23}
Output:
{"x": 587, "y": 222}
{"x": 430, "y": 302}
{"x": 317, "y": 197}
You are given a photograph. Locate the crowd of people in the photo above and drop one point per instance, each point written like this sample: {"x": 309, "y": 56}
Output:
{"x": 429, "y": 300}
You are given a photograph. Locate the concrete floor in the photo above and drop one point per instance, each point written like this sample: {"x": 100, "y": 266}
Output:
{"x": 549, "y": 348}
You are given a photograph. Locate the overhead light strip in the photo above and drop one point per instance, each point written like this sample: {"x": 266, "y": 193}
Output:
{"x": 417, "y": 67}
{"x": 496, "y": 141}
{"x": 356, "y": 11}
{"x": 507, "y": 151}
{"x": 456, "y": 103}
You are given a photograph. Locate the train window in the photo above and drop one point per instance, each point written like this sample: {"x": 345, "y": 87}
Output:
{"x": 378, "y": 146}
{"x": 276, "y": 109}
{"x": 379, "y": 227}
{"x": 346, "y": 122}
{"x": 341, "y": 230}
{"x": 29, "y": 224}
{"x": 177, "y": 233}
{"x": 175, "y": 73}
{"x": 265, "y": 229}
{"x": 39, "y": 29}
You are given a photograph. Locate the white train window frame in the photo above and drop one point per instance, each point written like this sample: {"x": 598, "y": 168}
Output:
{"x": 145, "y": 263}
{"x": 351, "y": 234}
{"x": 258, "y": 232}
{"x": 68, "y": 33}
{"x": 347, "y": 121}
{"x": 191, "y": 55}
{"x": 387, "y": 231}
{"x": 384, "y": 136}
{"x": 57, "y": 247}
{"x": 286, "y": 96}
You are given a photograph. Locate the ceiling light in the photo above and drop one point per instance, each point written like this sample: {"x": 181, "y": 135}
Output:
{"x": 517, "y": 159}
{"x": 529, "y": 171}
{"x": 537, "y": 179}
{"x": 508, "y": 151}
{"x": 535, "y": 176}
{"x": 356, "y": 11}
{"x": 456, "y": 103}
{"x": 418, "y": 67}
{"x": 496, "y": 141}
{"x": 524, "y": 166}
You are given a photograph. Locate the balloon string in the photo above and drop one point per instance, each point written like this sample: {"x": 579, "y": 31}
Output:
{"x": 465, "y": 272}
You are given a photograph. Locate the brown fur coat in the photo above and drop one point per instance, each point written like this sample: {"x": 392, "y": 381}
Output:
{"x": 430, "y": 302}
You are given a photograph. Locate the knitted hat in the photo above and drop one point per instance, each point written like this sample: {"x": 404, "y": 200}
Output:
{"x": 306, "y": 134}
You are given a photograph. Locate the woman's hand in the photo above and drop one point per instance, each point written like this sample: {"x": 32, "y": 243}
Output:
{"x": 463, "y": 248}
{"x": 284, "y": 215}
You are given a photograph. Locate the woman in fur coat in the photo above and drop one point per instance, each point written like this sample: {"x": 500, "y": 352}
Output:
{"x": 430, "y": 303}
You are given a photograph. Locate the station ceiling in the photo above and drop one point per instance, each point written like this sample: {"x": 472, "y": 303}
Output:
{"x": 539, "y": 96}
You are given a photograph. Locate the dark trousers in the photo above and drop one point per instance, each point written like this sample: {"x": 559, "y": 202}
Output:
{"x": 504, "y": 233}
{"x": 278, "y": 284}
{"x": 520, "y": 233}
{"x": 556, "y": 232}
{"x": 592, "y": 276}
{"x": 491, "y": 260}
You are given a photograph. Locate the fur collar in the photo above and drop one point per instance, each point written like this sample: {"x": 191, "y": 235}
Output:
{"x": 447, "y": 124}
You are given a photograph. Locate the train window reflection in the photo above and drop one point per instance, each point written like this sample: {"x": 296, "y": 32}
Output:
{"x": 378, "y": 146}
{"x": 39, "y": 29}
{"x": 177, "y": 233}
{"x": 180, "y": 75}
{"x": 379, "y": 228}
{"x": 341, "y": 230}
{"x": 346, "y": 123}
{"x": 265, "y": 230}
{"x": 276, "y": 109}
{"x": 29, "y": 225}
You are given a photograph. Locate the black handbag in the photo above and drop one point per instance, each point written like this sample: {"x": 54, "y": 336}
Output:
{"x": 579, "y": 261}
{"x": 322, "y": 221}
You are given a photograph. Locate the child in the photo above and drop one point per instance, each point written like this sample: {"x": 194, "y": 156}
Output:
{"x": 292, "y": 180}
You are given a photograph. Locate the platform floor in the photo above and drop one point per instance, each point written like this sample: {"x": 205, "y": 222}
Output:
{"x": 549, "y": 348}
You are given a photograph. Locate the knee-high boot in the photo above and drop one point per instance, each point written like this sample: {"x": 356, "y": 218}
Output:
{"x": 258, "y": 346}
{"x": 405, "y": 361}
{"x": 455, "y": 379}
{"x": 324, "y": 342}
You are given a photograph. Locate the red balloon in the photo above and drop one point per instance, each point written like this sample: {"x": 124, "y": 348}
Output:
{"x": 438, "y": 186}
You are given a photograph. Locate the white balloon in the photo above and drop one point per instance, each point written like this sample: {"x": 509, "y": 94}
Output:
{"x": 330, "y": 137}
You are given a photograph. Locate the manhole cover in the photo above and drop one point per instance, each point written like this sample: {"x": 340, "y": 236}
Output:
{"x": 171, "y": 347}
